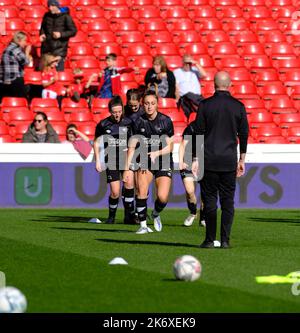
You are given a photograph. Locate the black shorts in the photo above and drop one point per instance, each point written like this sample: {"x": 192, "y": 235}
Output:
{"x": 113, "y": 175}
{"x": 161, "y": 173}
{"x": 186, "y": 173}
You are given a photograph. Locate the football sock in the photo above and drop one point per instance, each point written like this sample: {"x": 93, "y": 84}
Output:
{"x": 128, "y": 201}
{"x": 141, "y": 207}
{"x": 158, "y": 207}
{"x": 113, "y": 205}
{"x": 192, "y": 207}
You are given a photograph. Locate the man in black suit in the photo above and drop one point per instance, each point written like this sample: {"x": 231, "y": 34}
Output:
{"x": 222, "y": 120}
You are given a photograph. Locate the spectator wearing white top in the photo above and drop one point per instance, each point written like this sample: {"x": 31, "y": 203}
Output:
{"x": 188, "y": 88}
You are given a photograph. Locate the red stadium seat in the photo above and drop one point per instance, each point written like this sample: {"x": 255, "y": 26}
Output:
{"x": 4, "y": 129}
{"x": 213, "y": 38}
{"x": 55, "y": 116}
{"x": 175, "y": 115}
{"x": 244, "y": 37}
{"x": 267, "y": 130}
{"x": 230, "y": 62}
{"x": 151, "y": 25}
{"x": 256, "y": 119}
{"x": 143, "y": 62}
{"x": 59, "y": 127}
{"x": 190, "y": 36}
{"x": 13, "y": 102}
{"x": 167, "y": 103}
{"x": 192, "y": 117}
{"x": 270, "y": 91}
{"x": 87, "y": 128}
{"x": 198, "y": 13}
{"x": 287, "y": 119}
{"x": 81, "y": 4}
{"x": 118, "y": 13}
{"x": 32, "y": 13}
{"x": 19, "y": 114}
{"x": 101, "y": 50}
{"x": 80, "y": 37}
{"x": 159, "y": 37}
{"x": 259, "y": 63}
{"x": 136, "y": 49}
{"x": 273, "y": 37}
{"x": 291, "y": 78}
{"x": 254, "y": 105}
{"x": 66, "y": 77}
{"x": 168, "y": 3}
{"x": 80, "y": 51}
{"x": 178, "y": 130}
{"x": 181, "y": 25}
{"x": 100, "y": 105}
{"x": 224, "y": 50}
{"x": 236, "y": 26}
{"x": 14, "y": 25}
{"x": 272, "y": 139}
{"x": 281, "y": 51}
{"x": 174, "y": 13}
{"x": 89, "y": 13}
{"x": 32, "y": 77}
{"x": 128, "y": 24}
{"x": 10, "y": 12}
{"x": 69, "y": 106}
{"x": 129, "y": 37}
{"x": 250, "y": 50}
{"x": 205, "y": 61}
{"x": 284, "y": 65}
{"x": 19, "y": 129}
{"x": 245, "y": 91}
{"x": 128, "y": 85}
{"x": 257, "y": 13}
{"x": 42, "y": 104}
{"x": 86, "y": 63}
{"x": 293, "y": 134}
{"x": 96, "y": 26}
{"x": 173, "y": 62}
{"x": 239, "y": 75}
{"x": 281, "y": 105}
{"x": 248, "y": 4}
{"x": 146, "y": 12}
{"x": 80, "y": 117}
{"x": 266, "y": 77}
{"x": 7, "y": 3}
{"x": 6, "y": 138}
{"x": 207, "y": 25}
{"x": 137, "y": 4}
{"x": 193, "y": 48}
{"x": 164, "y": 49}
{"x": 229, "y": 13}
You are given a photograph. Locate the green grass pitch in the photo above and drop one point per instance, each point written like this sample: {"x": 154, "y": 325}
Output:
{"x": 60, "y": 262}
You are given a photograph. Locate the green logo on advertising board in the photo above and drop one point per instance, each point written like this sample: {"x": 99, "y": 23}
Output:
{"x": 33, "y": 186}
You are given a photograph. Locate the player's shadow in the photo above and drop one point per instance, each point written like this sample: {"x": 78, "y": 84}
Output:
{"x": 64, "y": 219}
{"x": 143, "y": 242}
{"x": 274, "y": 220}
{"x": 89, "y": 229}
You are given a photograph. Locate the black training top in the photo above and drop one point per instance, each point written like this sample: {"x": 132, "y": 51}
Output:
{"x": 222, "y": 119}
{"x": 115, "y": 135}
{"x": 133, "y": 115}
{"x": 153, "y": 132}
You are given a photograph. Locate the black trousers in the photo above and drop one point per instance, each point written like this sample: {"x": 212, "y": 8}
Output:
{"x": 189, "y": 103}
{"x": 15, "y": 89}
{"x": 222, "y": 185}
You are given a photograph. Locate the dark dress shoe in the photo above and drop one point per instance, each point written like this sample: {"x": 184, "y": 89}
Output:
{"x": 207, "y": 245}
{"x": 110, "y": 220}
{"x": 225, "y": 245}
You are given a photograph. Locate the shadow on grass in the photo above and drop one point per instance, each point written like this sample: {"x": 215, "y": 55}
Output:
{"x": 143, "y": 242}
{"x": 89, "y": 229}
{"x": 274, "y": 220}
{"x": 65, "y": 219}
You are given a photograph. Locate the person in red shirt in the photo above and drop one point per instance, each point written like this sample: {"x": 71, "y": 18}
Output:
{"x": 52, "y": 89}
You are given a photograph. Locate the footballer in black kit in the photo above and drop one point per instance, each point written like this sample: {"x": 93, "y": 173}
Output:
{"x": 153, "y": 140}
{"x": 115, "y": 132}
{"x": 189, "y": 148}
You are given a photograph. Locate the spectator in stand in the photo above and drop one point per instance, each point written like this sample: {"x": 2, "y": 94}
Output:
{"x": 56, "y": 29}
{"x": 188, "y": 88}
{"x": 78, "y": 89}
{"x": 40, "y": 131}
{"x": 81, "y": 142}
{"x": 110, "y": 83}
{"x": 51, "y": 88}
{"x": 160, "y": 79}
{"x": 14, "y": 58}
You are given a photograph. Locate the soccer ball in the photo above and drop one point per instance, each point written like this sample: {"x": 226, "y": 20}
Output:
{"x": 12, "y": 300}
{"x": 187, "y": 268}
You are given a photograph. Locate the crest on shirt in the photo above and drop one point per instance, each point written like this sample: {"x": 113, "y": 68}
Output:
{"x": 108, "y": 131}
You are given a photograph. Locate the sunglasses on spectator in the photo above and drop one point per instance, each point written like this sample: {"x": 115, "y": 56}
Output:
{"x": 38, "y": 120}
